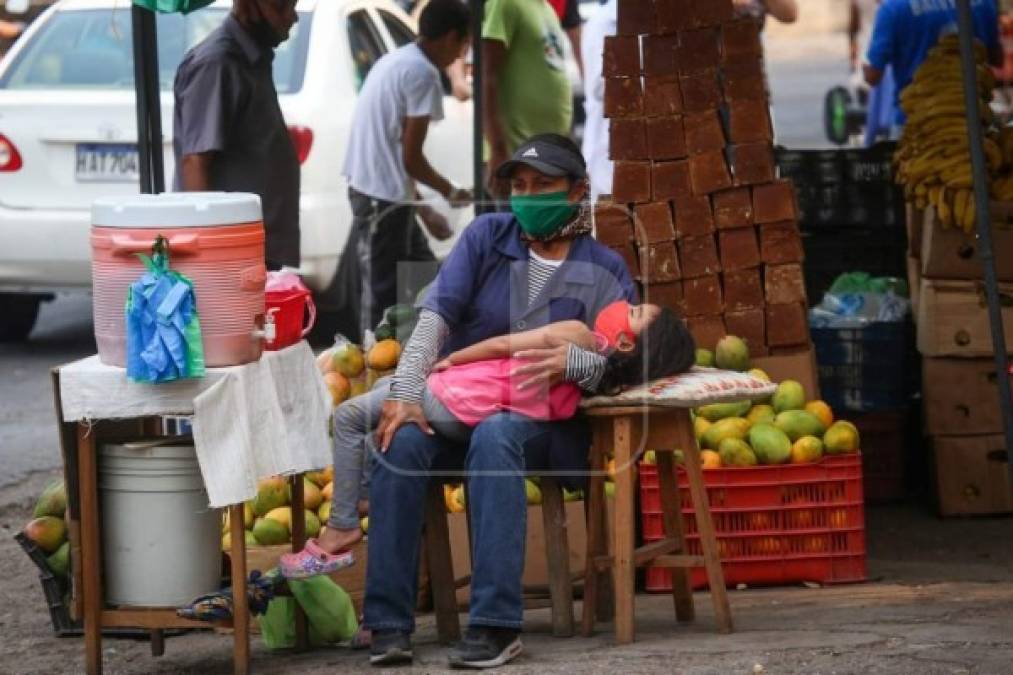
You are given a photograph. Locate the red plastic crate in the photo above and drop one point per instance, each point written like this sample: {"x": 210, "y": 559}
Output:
{"x": 289, "y": 309}
{"x": 775, "y": 524}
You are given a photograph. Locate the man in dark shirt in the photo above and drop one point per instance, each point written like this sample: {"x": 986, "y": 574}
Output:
{"x": 228, "y": 130}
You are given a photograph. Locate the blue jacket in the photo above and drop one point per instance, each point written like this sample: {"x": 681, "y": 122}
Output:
{"x": 481, "y": 291}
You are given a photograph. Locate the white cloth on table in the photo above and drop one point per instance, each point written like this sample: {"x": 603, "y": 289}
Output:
{"x": 249, "y": 422}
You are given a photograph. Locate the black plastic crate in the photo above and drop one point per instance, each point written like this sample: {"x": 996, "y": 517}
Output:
{"x": 864, "y": 369}
{"x": 828, "y": 253}
{"x": 844, "y": 188}
{"x": 885, "y": 444}
{"x": 870, "y": 165}
{"x": 810, "y": 167}
{"x": 57, "y": 594}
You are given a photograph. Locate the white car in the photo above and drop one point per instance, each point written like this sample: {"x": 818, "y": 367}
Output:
{"x": 68, "y": 132}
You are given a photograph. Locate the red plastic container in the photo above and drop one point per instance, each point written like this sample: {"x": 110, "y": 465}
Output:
{"x": 288, "y": 310}
{"x": 775, "y": 525}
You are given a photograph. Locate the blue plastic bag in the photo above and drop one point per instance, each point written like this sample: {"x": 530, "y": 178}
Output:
{"x": 163, "y": 329}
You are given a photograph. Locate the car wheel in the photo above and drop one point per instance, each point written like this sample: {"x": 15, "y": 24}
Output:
{"x": 19, "y": 314}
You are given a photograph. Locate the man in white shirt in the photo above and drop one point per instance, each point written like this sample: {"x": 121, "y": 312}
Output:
{"x": 596, "y": 127}
{"x": 401, "y": 95}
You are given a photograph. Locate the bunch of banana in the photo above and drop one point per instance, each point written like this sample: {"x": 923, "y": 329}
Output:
{"x": 933, "y": 159}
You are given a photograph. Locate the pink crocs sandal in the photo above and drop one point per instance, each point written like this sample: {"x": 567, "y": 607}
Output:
{"x": 313, "y": 561}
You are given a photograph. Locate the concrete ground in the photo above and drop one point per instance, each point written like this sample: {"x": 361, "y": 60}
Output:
{"x": 939, "y": 600}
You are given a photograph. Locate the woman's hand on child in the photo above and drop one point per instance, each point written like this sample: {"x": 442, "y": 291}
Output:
{"x": 396, "y": 414}
{"x": 544, "y": 367}
{"x": 442, "y": 365}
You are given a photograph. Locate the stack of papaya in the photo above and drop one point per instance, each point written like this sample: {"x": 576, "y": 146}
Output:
{"x": 267, "y": 518}
{"x": 785, "y": 429}
{"x": 48, "y": 529}
{"x": 348, "y": 371}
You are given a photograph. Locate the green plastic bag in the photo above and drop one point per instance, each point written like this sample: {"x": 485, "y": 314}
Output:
{"x": 329, "y": 612}
{"x": 863, "y": 282}
{"x": 172, "y": 6}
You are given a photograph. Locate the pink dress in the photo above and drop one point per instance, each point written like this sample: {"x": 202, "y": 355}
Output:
{"x": 474, "y": 391}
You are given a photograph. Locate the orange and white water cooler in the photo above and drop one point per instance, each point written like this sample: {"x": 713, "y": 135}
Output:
{"x": 216, "y": 239}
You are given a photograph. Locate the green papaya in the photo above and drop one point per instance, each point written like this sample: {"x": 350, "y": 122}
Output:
{"x": 799, "y": 423}
{"x": 720, "y": 411}
{"x": 730, "y": 427}
{"x": 770, "y": 444}
{"x": 52, "y": 501}
{"x": 400, "y": 315}
{"x": 790, "y": 395}
{"x": 736, "y": 452}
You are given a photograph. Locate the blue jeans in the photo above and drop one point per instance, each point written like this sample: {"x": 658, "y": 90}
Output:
{"x": 494, "y": 463}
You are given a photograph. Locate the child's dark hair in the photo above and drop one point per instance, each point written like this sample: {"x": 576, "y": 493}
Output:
{"x": 664, "y": 348}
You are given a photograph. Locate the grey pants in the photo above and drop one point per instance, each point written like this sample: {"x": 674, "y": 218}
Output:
{"x": 355, "y": 442}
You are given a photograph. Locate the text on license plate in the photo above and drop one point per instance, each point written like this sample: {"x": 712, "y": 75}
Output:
{"x": 106, "y": 162}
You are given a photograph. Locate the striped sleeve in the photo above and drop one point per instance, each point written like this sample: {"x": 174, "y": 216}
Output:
{"x": 419, "y": 356}
{"x": 584, "y": 368}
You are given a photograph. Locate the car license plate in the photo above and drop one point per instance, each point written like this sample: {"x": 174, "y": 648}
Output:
{"x": 106, "y": 163}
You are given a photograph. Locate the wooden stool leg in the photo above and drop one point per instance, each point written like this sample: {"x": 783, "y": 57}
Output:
{"x": 240, "y": 605}
{"x": 594, "y": 505}
{"x": 441, "y": 567}
{"x": 624, "y": 530}
{"x": 91, "y": 552}
{"x": 708, "y": 541}
{"x": 671, "y": 508}
{"x": 557, "y": 551}
{"x": 157, "y": 642}
{"x": 302, "y": 642}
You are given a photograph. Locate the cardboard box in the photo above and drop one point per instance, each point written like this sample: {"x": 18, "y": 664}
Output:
{"x": 960, "y": 397}
{"x": 953, "y": 318}
{"x": 914, "y": 219}
{"x": 914, "y": 284}
{"x": 972, "y": 476}
{"x": 799, "y": 366}
{"x": 951, "y": 254}
{"x": 536, "y": 571}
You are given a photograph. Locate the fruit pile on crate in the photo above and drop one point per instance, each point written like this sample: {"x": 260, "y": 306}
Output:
{"x": 784, "y": 482}
{"x": 696, "y": 209}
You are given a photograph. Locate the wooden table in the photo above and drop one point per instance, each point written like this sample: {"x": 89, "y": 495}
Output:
{"x": 631, "y": 431}
{"x": 80, "y": 442}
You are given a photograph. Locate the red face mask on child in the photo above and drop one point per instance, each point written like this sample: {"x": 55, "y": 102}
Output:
{"x": 613, "y": 322}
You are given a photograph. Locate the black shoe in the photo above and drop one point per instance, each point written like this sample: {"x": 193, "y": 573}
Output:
{"x": 486, "y": 647}
{"x": 390, "y": 648}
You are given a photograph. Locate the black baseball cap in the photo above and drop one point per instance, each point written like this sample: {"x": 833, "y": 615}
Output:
{"x": 547, "y": 157}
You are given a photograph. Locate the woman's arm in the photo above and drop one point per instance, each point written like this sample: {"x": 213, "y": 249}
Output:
{"x": 502, "y": 346}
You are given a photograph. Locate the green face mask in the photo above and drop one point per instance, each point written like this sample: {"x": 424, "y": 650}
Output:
{"x": 542, "y": 214}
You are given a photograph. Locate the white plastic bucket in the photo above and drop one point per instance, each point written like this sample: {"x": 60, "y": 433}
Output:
{"x": 161, "y": 543}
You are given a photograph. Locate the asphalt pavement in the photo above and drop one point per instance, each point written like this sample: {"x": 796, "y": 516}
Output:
{"x": 800, "y": 70}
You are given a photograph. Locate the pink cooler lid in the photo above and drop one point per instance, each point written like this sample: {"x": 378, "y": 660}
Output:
{"x": 177, "y": 209}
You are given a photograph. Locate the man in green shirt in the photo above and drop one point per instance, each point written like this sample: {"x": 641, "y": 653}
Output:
{"x": 524, "y": 78}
